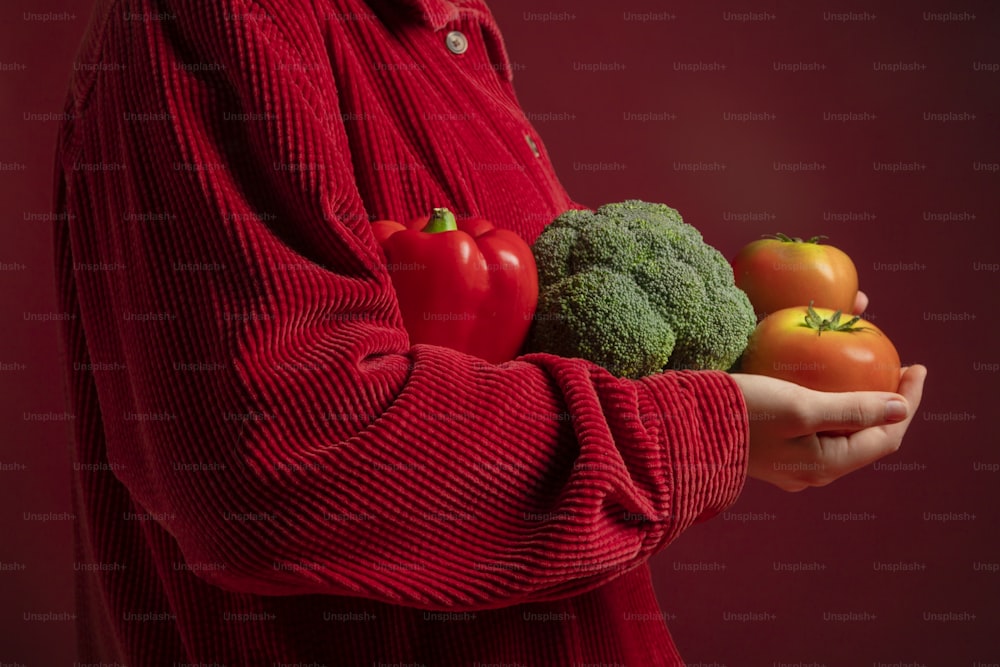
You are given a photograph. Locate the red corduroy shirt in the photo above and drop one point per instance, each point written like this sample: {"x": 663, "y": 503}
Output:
{"x": 266, "y": 472}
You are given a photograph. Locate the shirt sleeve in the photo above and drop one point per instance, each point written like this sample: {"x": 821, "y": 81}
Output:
{"x": 272, "y": 415}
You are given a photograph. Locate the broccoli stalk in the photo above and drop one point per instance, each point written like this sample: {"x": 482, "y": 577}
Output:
{"x": 634, "y": 288}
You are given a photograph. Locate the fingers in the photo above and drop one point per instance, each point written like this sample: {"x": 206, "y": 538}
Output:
{"x": 846, "y": 453}
{"x": 853, "y": 410}
{"x": 860, "y": 303}
{"x": 797, "y": 411}
{"x": 888, "y": 438}
{"x": 911, "y": 383}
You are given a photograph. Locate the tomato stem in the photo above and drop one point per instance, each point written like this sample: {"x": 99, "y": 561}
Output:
{"x": 794, "y": 239}
{"x": 820, "y": 324}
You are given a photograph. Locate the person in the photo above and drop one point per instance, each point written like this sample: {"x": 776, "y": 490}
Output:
{"x": 266, "y": 471}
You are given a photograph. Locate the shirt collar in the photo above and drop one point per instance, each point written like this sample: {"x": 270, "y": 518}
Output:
{"x": 437, "y": 13}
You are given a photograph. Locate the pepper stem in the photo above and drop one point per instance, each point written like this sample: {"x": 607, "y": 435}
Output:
{"x": 442, "y": 220}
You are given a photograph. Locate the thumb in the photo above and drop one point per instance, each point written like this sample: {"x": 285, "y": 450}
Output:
{"x": 855, "y": 410}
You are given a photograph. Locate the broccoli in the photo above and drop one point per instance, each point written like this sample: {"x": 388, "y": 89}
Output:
{"x": 634, "y": 288}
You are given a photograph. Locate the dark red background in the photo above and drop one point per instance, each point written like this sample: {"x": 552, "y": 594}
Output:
{"x": 844, "y": 611}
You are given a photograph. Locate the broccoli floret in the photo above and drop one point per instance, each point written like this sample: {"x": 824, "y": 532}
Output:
{"x": 634, "y": 288}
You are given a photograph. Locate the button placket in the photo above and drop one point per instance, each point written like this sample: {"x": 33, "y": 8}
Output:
{"x": 458, "y": 43}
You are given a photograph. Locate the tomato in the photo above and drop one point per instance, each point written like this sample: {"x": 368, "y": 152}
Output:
{"x": 812, "y": 347}
{"x": 782, "y": 272}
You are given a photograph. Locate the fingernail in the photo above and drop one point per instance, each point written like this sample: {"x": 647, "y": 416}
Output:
{"x": 895, "y": 411}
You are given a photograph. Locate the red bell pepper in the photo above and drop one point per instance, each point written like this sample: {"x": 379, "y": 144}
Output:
{"x": 464, "y": 285}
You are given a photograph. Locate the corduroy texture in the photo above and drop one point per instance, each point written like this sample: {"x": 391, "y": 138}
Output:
{"x": 268, "y": 472}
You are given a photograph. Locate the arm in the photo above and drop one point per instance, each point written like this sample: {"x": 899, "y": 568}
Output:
{"x": 318, "y": 453}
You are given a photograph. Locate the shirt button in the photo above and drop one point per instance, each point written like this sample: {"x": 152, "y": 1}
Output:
{"x": 457, "y": 42}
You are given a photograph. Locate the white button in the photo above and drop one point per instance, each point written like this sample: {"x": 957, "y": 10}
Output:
{"x": 457, "y": 42}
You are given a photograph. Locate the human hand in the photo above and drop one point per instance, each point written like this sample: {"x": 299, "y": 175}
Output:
{"x": 801, "y": 438}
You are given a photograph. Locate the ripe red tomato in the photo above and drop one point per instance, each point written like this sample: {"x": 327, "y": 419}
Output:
{"x": 812, "y": 347}
{"x": 782, "y": 272}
